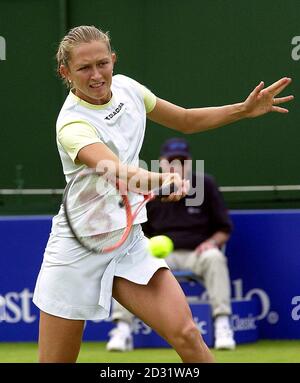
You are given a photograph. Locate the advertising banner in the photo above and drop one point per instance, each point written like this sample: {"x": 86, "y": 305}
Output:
{"x": 264, "y": 264}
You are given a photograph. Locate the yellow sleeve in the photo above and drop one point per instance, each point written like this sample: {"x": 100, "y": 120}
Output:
{"x": 149, "y": 98}
{"x": 75, "y": 135}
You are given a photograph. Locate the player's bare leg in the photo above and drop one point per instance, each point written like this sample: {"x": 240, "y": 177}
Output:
{"x": 163, "y": 306}
{"x": 59, "y": 339}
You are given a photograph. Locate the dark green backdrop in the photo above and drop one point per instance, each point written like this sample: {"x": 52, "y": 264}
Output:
{"x": 193, "y": 53}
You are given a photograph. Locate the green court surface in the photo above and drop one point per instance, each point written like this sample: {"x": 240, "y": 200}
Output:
{"x": 94, "y": 352}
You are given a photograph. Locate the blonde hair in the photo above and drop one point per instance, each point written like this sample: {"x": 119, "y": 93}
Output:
{"x": 77, "y": 35}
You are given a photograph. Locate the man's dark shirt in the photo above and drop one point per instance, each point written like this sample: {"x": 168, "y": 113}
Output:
{"x": 188, "y": 226}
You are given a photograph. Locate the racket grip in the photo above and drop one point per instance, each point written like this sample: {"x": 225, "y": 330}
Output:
{"x": 165, "y": 190}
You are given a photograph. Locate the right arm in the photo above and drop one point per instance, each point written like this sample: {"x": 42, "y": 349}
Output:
{"x": 99, "y": 156}
{"x": 83, "y": 145}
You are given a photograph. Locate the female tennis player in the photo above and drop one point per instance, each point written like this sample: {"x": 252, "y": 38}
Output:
{"x": 103, "y": 121}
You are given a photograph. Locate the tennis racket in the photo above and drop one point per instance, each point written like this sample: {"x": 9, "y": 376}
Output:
{"x": 101, "y": 212}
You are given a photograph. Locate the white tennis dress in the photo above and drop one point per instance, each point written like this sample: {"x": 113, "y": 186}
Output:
{"x": 74, "y": 283}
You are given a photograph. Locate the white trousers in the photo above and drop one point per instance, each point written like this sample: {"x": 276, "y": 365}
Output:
{"x": 210, "y": 267}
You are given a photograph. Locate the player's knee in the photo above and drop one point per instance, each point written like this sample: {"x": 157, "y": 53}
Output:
{"x": 214, "y": 256}
{"x": 188, "y": 337}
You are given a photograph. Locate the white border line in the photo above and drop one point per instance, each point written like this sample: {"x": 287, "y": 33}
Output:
{"x": 224, "y": 189}
{"x": 31, "y": 191}
{"x": 259, "y": 188}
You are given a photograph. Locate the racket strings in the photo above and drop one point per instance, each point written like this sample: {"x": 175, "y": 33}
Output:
{"x": 94, "y": 212}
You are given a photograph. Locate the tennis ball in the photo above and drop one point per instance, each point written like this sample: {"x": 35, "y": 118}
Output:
{"x": 161, "y": 246}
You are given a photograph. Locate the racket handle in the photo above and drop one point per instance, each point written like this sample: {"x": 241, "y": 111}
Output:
{"x": 165, "y": 190}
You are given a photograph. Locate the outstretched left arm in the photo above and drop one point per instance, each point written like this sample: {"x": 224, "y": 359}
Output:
{"x": 260, "y": 101}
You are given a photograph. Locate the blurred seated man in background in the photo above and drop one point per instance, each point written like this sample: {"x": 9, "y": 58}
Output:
{"x": 199, "y": 233}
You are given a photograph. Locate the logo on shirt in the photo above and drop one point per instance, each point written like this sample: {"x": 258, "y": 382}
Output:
{"x": 116, "y": 111}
